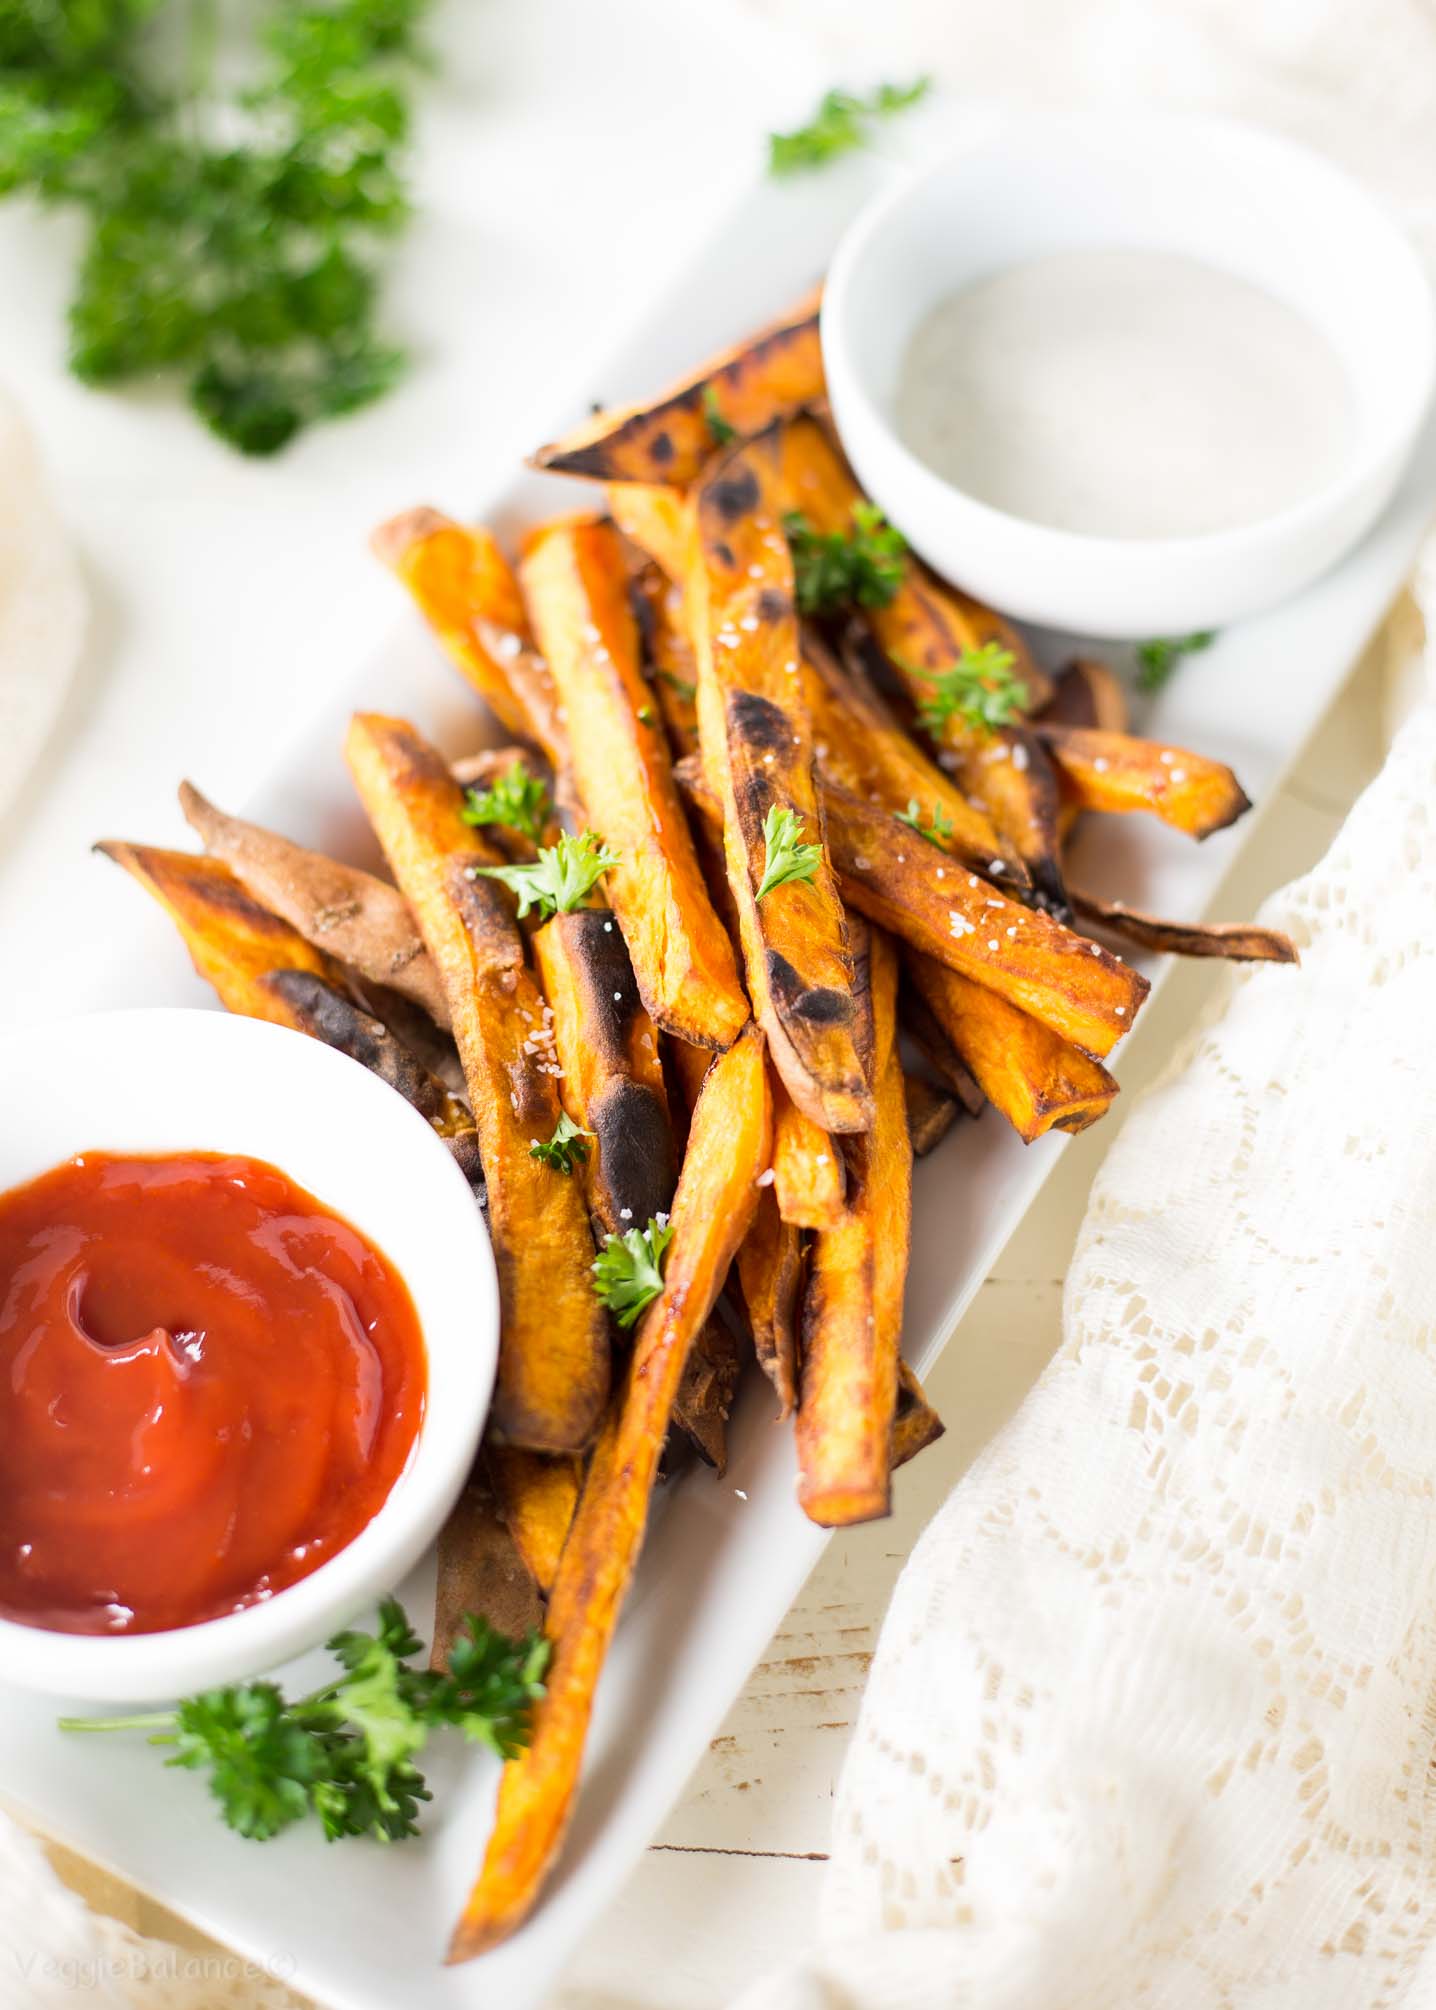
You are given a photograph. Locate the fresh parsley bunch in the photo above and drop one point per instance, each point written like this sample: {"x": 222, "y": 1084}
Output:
{"x": 231, "y": 234}
{"x": 346, "y": 1752}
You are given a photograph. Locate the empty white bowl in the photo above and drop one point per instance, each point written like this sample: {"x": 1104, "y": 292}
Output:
{"x": 175, "y": 1081}
{"x": 1255, "y": 205}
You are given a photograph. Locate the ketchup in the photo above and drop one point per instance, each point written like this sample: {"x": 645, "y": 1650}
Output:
{"x": 208, "y": 1385}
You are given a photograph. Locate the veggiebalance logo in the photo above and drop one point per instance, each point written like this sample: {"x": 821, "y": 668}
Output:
{"x": 103, "y": 1977}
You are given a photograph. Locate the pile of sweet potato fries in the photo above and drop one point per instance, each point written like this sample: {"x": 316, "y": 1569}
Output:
{"x": 768, "y": 890}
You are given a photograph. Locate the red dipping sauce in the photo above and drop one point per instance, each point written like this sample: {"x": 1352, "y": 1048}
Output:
{"x": 208, "y": 1385}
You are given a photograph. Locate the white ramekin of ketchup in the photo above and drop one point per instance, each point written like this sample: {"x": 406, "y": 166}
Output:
{"x": 248, "y": 1332}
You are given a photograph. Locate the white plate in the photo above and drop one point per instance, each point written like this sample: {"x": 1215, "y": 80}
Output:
{"x": 362, "y": 1927}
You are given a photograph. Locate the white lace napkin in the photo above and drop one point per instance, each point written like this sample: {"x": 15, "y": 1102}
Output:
{"x": 1153, "y": 1716}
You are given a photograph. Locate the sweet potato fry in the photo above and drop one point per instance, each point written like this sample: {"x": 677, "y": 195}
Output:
{"x": 481, "y": 1570}
{"x": 1238, "y": 941}
{"x": 1087, "y": 693}
{"x": 464, "y": 588}
{"x": 264, "y": 969}
{"x": 916, "y": 1425}
{"x": 576, "y": 588}
{"x": 931, "y": 1113}
{"x": 808, "y": 1179}
{"x": 757, "y": 750}
{"x": 536, "y": 1496}
{"x": 770, "y": 1264}
{"x": 1038, "y": 1080}
{"x": 1116, "y": 771}
{"x": 916, "y": 1019}
{"x": 655, "y": 520}
{"x": 612, "y": 1080}
{"x": 671, "y": 439}
{"x": 927, "y": 629}
{"x": 852, "y": 1310}
{"x": 358, "y": 919}
{"x": 553, "y": 1342}
{"x": 1079, "y": 989}
{"x": 671, "y": 665}
{"x": 728, "y": 1148}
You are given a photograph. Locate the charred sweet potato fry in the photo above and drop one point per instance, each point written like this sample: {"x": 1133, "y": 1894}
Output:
{"x": 612, "y": 1080}
{"x": 727, "y": 1150}
{"x": 1117, "y": 771}
{"x": 481, "y": 1570}
{"x": 1087, "y": 693}
{"x": 553, "y": 1341}
{"x": 926, "y": 630}
{"x": 916, "y": 1425}
{"x": 576, "y": 588}
{"x": 264, "y": 969}
{"x": 757, "y": 751}
{"x": 536, "y": 1496}
{"x": 1239, "y": 942}
{"x": 671, "y": 439}
{"x": 1079, "y": 989}
{"x": 770, "y": 1266}
{"x": 464, "y": 588}
{"x": 1039, "y": 1081}
{"x": 852, "y": 1310}
{"x": 931, "y": 1113}
{"x": 808, "y": 1179}
{"x": 359, "y": 920}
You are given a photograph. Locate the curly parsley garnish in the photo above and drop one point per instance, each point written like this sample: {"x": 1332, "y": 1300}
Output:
{"x": 628, "y": 1272}
{"x": 723, "y": 434}
{"x": 937, "y": 828}
{"x": 839, "y": 126}
{"x": 231, "y": 231}
{"x": 982, "y": 689}
{"x": 567, "y": 1147}
{"x": 1156, "y": 660}
{"x": 560, "y": 879}
{"x": 860, "y": 567}
{"x": 786, "y": 857}
{"x": 518, "y": 800}
{"x": 346, "y": 1751}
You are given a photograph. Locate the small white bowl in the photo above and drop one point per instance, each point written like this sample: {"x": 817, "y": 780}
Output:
{"x": 1253, "y": 204}
{"x": 174, "y": 1081}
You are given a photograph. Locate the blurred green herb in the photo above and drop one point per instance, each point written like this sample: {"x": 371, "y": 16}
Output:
{"x": 860, "y": 567}
{"x": 346, "y": 1751}
{"x": 982, "y": 689}
{"x": 723, "y": 434}
{"x": 517, "y": 799}
{"x": 1156, "y": 660}
{"x": 935, "y": 830}
{"x": 841, "y": 124}
{"x": 232, "y": 233}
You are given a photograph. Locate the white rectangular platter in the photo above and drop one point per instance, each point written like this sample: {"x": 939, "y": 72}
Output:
{"x": 363, "y": 1928}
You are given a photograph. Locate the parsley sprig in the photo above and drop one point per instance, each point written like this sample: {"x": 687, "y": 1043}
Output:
{"x": 517, "y": 799}
{"x": 841, "y": 124}
{"x": 231, "y": 235}
{"x": 560, "y": 879}
{"x": 628, "y": 1271}
{"x": 567, "y": 1147}
{"x": 786, "y": 857}
{"x": 723, "y": 434}
{"x": 982, "y": 689}
{"x": 346, "y": 1751}
{"x": 1156, "y": 660}
{"x": 862, "y": 566}
{"x": 937, "y": 828}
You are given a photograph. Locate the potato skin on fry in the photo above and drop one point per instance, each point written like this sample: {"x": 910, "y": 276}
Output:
{"x": 1237, "y": 941}
{"x": 1035, "y": 1078}
{"x": 576, "y": 586}
{"x": 553, "y": 1340}
{"x": 1118, "y": 772}
{"x": 931, "y": 1113}
{"x": 464, "y": 588}
{"x": 916, "y": 1425}
{"x": 757, "y": 751}
{"x": 852, "y": 1311}
{"x": 770, "y": 1268}
{"x": 481, "y": 1570}
{"x": 670, "y": 440}
{"x": 536, "y": 1495}
{"x": 728, "y": 1148}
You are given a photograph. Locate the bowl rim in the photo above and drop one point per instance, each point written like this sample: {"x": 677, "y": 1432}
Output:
{"x": 460, "y": 1352}
{"x": 1060, "y": 133}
